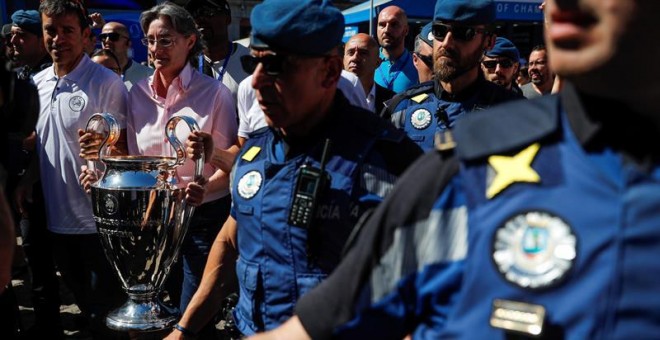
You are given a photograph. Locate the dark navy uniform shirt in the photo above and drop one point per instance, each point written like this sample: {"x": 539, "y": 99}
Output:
{"x": 543, "y": 222}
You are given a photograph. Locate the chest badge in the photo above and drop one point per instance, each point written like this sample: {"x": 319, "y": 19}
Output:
{"x": 509, "y": 170}
{"x": 249, "y": 184}
{"x": 77, "y": 103}
{"x": 420, "y": 119}
{"x": 534, "y": 250}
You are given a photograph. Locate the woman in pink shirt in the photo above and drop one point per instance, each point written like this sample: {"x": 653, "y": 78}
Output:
{"x": 177, "y": 88}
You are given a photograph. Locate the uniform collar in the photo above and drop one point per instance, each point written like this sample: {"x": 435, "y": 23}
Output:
{"x": 464, "y": 95}
{"x": 76, "y": 74}
{"x": 599, "y": 122}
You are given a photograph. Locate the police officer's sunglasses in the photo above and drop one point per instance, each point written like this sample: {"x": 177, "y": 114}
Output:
{"x": 113, "y": 36}
{"x": 504, "y": 63}
{"x": 461, "y": 33}
{"x": 273, "y": 63}
{"x": 426, "y": 59}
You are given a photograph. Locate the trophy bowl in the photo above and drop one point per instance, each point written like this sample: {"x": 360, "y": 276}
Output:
{"x": 142, "y": 217}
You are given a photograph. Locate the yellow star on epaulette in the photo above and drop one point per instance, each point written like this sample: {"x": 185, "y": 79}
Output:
{"x": 509, "y": 170}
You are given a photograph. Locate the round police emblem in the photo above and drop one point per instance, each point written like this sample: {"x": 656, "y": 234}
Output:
{"x": 76, "y": 103}
{"x": 110, "y": 204}
{"x": 249, "y": 184}
{"x": 534, "y": 249}
{"x": 420, "y": 119}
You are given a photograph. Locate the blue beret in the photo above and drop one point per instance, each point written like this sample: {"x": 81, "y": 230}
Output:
{"x": 304, "y": 27}
{"x": 29, "y": 20}
{"x": 471, "y": 12}
{"x": 427, "y": 34}
{"x": 504, "y": 48}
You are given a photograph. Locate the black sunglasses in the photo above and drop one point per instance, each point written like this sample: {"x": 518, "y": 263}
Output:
{"x": 462, "y": 33}
{"x": 112, "y": 35}
{"x": 426, "y": 59}
{"x": 504, "y": 63}
{"x": 273, "y": 63}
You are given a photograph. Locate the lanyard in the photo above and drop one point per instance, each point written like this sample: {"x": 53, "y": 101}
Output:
{"x": 389, "y": 84}
{"x": 223, "y": 69}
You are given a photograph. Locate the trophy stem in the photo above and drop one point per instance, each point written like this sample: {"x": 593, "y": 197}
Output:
{"x": 142, "y": 313}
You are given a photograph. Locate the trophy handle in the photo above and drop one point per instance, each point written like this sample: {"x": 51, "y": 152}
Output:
{"x": 178, "y": 146}
{"x": 109, "y": 140}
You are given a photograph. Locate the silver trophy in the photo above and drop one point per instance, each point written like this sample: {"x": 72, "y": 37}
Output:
{"x": 142, "y": 218}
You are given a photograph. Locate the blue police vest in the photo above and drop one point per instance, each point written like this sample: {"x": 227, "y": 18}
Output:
{"x": 422, "y": 114}
{"x": 274, "y": 268}
{"x": 564, "y": 252}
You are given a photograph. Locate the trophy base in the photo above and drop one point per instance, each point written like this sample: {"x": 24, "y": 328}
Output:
{"x": 142, "y": 316}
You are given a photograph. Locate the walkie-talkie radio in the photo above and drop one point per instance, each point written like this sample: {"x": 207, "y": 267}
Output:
{"x": 310, "y": 185}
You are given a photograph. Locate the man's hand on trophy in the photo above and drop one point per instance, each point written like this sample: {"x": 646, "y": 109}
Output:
{"x": 199, "y": 143}
{"x": 87, "y": 178}
{"x": 90, "y": 143}
{"x": 195, "y": 192}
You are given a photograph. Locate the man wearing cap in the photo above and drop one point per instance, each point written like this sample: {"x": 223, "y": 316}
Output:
{"x": 423, "y": 54}
{"x": 115, "y": 37}
{"x": 221, "y": 58}
{"x": 302, "y": 183}
{"x": 27, "y": 39}
{"x": 500, "y": 65}
{"x": 361, "y": 58}
{"x": 463, "y": 31}
{"x": 396, "y": 72}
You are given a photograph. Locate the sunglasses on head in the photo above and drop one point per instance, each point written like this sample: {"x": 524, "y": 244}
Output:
{"x": 462, "y": 33}
{"x": 273, "y": 63}
{"x": 112, "y": 35}
{"x": 504, "y": 63}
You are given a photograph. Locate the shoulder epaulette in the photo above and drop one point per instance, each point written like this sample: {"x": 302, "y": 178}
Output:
{"x": 417, "y": 93}
{"x": 506, "y": 127}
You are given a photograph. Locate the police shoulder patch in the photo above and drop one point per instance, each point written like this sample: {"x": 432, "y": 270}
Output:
{"x": 534, "y": 249}
{"x": 249, "y": 184}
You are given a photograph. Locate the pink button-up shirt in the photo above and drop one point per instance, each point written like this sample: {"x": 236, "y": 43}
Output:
{"x": 191, "y": 94}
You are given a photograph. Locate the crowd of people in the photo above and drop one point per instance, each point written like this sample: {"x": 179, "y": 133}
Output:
{"x": 350, "y": 190}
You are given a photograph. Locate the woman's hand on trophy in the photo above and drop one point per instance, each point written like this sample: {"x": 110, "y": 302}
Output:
{"x": 87, "y": 178}
{"x": 90, "y": 143}
{"x": 195, "y": 192}
{"x": 199, "y": 143}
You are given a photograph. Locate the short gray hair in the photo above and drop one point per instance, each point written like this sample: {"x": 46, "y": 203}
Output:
{"x": 182, "y": 22}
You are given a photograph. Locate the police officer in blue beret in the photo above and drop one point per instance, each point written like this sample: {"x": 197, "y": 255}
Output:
{"x": 500, "y": 65}
{"x": 27, "y": 39}
{"x": 542, "y": 222}
{"x": 300, "y": 185}
{"x": 463, "y": 31}
{"x": 423, "y": 53}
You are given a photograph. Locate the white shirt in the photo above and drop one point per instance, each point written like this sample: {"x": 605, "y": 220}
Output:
{"x": 135, "y": 73}
{"x": 234, "y": 73}
{"x": 191, "y": 94}
{"x": 371, "y": 99}
{"x": 66, "y": 105}
{"x": 251, "y": 117}
{"x": 351, "y": 87}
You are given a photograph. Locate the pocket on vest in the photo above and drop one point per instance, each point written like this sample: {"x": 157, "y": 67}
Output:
{"x": 248, "y": 302}
{"x": 308, "y": 281}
